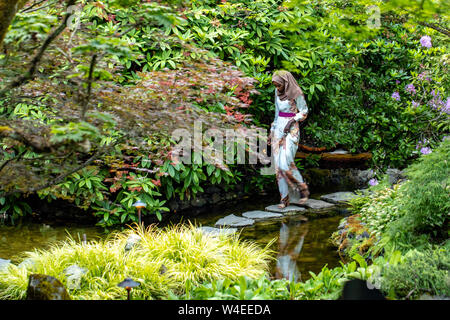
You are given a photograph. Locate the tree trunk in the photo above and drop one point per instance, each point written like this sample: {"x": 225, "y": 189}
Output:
{"x": 8, "y": 9}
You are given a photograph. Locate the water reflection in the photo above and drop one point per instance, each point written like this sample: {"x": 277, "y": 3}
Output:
{"x": 302, "y": 246}
{"x": 290, "y": 241}
{"x": 28, "y": 236}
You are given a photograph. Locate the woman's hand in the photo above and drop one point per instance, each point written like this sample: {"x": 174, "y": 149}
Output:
{"x": 303, "y": 118}
{"x": 288, "y": 126}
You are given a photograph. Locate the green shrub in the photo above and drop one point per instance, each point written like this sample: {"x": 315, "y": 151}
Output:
{"x": 244, "y": 288}
{"x": 424, "y": 201}
{"x": 327, "y": 284}
{"x": 381, "y": 210}
{"x": 419, "y": 272}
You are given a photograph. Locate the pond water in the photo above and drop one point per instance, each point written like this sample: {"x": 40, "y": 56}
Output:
{"x": 301, "y": 246}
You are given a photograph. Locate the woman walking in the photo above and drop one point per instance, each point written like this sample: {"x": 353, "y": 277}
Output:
{"x": 290, "y": 109}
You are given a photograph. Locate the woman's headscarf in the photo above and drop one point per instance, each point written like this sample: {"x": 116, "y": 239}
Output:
{"x": 291, "y": 88}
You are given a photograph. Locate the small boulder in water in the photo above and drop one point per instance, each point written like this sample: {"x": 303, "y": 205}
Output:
{"x": 43, "y": 287}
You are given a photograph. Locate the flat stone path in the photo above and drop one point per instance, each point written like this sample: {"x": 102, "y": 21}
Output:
{"x": 234, "y": 221}
{"x": 287, "y": 211}
{"x": 231, "y": 222}
{"x": 217, "y": 231}
{"x": 317, "y": 204}
{"x": 260, "y": 215}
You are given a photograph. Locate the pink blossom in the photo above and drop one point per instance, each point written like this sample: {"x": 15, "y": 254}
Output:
{"x": 425, "y": 150}
{"x": 410, "y": 88}
{"x": 396, "y": 96}
{"x": 425, "y": 41}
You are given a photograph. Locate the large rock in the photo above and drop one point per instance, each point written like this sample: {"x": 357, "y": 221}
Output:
{"x": 260, "y": 215}
{"x": 338, "y": 197}
{"x": 287, "y": 211}
{"x": 234, "y": 221}
{"x": 4, "y": 264}
{"x": 74, "y": 274}
{"x": 43, "y": 287}
{"x": 217, "y": 231}
{"x": 317, "y": 204}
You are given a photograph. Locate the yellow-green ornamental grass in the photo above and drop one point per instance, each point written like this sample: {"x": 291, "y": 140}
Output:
{"x": 161, "y": 262}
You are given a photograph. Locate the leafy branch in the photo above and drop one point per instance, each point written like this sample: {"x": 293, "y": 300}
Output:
{"x": 29, "y": 75}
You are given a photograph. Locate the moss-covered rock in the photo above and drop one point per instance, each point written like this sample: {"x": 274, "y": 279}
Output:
{"x": 43, "y": 287}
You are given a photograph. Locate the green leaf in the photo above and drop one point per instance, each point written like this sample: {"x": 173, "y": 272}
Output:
{"x": 171, "y": 171}
{"x": 360, "y": 260}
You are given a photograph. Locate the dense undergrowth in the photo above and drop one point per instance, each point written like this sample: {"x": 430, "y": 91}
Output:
{"x": 408, "y": 221}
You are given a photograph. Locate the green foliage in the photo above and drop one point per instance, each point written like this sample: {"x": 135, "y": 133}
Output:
{"x": 327, "y": 284}
{"x": 420, "y": 272}
{"x": 29, "y": 28}
{"x": 410, "y": 222}
{"x": 425, "y": 198}
{"x": 244, "y": 288}
{"x": 381, "y": 210}
{"x": 14, "y": 207}
{"x": 415, "y": 211}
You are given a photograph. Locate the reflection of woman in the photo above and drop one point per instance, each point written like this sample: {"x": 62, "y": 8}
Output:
{"x": 290, "y": 246}
{"x": 290, "y": 107}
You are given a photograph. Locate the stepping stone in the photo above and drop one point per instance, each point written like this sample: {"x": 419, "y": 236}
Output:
{"x": 287, "y": 211}
{"x": 259, "y": 215}
{"x": 234, "y": 221}
{"x": 216, "y": 231}
{"x": 317, "y": 204}
{"x": 338, "y": 196}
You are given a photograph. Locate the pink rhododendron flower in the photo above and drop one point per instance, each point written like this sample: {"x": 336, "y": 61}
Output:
{"x": 425, "y": 41}
{"x": 396, "y": 96}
